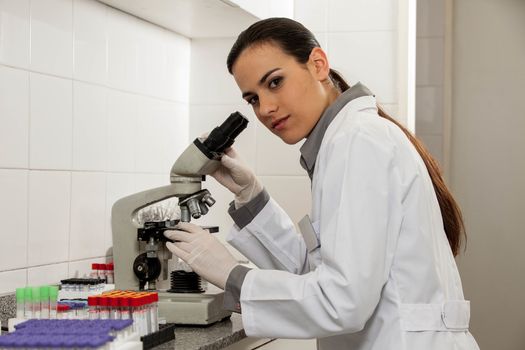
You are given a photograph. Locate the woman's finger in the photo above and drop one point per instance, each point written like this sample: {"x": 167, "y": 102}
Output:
{"x": 177, "y": 235}
{"x": 188, "y": 227}
{"x": 177, "y": 251}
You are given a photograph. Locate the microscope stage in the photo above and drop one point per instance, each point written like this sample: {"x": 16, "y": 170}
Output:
{"x": 193, "y": 308}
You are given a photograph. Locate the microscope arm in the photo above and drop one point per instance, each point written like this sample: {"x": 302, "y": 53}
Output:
{"x": 124, "y": 227}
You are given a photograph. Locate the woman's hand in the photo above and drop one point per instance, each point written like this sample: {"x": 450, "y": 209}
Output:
{"x": 236, "y": 176}
{"x": 208, "y": 257}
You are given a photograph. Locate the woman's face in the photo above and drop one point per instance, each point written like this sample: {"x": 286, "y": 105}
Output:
{"x": 286, "y": 96}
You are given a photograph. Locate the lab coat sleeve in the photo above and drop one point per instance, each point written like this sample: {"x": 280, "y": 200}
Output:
{"x": 270, "y": 241}
{"x": 359, "y": 222}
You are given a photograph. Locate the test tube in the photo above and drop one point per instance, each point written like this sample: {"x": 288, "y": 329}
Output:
{"x": 36, "y": 302}
{"x": 28, "y": 308}
{"x": 82, "y": 311}
{"x": 94, "y": 270}
{"x": 63, "y": 312}
{"x": 102, "y": 272}
{"x": 110, "y": 277}
{"x": 114, "y": 310}
{"x": 53, "y": 297}
{"x": 135, "y": 303}
{"x": 154, "y": 309}
{"x": 20, "y": 302}
{"x": 147, "y": 313}
{"x": 103, "y": 311}
{"x": 44, "y": 301}
{"x": 93, "y": 307}
{"x": 124, "y": 302}
{"x": 146, "y": 310}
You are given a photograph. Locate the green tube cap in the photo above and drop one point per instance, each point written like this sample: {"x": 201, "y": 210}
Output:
{"x": 36, "y": 294}
{"x": 20, "y": 294}
{"x": 44, "y": 293}
{"x": 53, "y": 292}
{"x": 28, "y": 293}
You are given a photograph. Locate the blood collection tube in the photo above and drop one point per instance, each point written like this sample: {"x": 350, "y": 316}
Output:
{"x": 103, "y": 310}
{"x": 102, "y": 272}
{"x": 82, "y": 310}
{"x": 110, "y": 276}
{"x": 93, "y": 307}
{"x": 124, "y": 302}
{"x": 28, "y": 299}
{"x": 20, "y": 302}
{"x": 44, "y": 301}
{"x": 154, "y": 310}
{"x": 53, "y": 297}
{"x": 147, "y": 313}
{"x": 114, "y": 311}
{"x": 94, "y": 270}
{"x": 137, "y": 314}
{"x": 35, "y": 293}
{"x": 63, "y": 312}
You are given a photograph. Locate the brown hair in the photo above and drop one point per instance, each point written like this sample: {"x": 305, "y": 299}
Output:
{"x": 298, "y": 41}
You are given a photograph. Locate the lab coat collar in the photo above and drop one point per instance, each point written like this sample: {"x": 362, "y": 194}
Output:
{"x": 310, "y": 148}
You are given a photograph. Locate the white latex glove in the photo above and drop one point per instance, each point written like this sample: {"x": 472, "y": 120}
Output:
{"x": 236, "y": 176}
{"x": 208, "y": 257}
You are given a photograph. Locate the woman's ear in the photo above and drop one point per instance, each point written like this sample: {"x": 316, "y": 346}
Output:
{"x": 318, "y": 62}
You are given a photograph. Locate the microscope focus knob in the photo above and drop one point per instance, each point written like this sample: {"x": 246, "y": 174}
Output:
{"x": 146, "y": 269}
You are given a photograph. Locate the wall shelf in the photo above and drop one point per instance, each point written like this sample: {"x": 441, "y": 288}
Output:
{"x": 191, "y": 18}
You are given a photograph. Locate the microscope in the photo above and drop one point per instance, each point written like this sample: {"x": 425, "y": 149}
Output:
{"x": 139, "y": 252}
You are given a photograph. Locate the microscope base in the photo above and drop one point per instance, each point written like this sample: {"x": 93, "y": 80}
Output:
{"x": 192, "y": 308}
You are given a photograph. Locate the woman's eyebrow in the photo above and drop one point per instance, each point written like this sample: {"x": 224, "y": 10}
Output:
{"x": 265, "y": 76}
{"x": 261, "y": 81}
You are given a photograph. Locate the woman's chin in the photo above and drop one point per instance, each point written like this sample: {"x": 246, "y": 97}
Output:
{"x": 290, "y": 139}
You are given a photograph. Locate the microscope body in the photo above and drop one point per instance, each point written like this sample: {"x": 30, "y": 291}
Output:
{"x": 125, "y": 227}
{"x": 139, "y": 252}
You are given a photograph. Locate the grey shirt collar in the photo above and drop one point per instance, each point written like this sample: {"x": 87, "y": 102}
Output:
{"x": 310, "y": 148}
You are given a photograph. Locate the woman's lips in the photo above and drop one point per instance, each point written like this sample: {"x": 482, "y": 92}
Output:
{"x": 280, "y": 124}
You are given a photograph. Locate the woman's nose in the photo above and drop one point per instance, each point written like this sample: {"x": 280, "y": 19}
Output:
{"x": 267, "y": 106}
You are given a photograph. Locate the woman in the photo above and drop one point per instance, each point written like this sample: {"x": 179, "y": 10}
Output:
{"x": 374, "y": 267}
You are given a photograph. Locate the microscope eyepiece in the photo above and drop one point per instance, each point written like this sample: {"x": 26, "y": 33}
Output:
{"x": 223, "y": 136}
{"x": 233, "y": 125}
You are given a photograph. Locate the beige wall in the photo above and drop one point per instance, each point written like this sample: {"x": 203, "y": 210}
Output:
{"x": 488, "y": 164}
{"x": 430, "y": 58}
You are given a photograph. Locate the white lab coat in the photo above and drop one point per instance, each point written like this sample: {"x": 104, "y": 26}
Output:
{"x": 383, "y": 275}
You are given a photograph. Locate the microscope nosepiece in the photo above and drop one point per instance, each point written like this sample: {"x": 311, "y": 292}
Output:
{"x": 194, "y": 208}
{"x": 185, "y": 214}
{"x": 208, "y": 199}
{"x": 195, "y": 205}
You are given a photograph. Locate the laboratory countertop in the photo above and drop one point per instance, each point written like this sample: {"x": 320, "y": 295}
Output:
{"x": 216, "y": 336}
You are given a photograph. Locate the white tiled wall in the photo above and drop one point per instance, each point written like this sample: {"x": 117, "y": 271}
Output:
{"x": 49, "y": 219}
{"x": 93, "y": 107}
{"x": 360, "y": 37}
{"x": 429, "y": 75}
{"x": 14, "y": 133}
{"x": 90, "y": 101}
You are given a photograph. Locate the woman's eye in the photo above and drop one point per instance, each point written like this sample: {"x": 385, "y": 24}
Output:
{"x": 275, "y": 82}
{"x": 253, "y": 100}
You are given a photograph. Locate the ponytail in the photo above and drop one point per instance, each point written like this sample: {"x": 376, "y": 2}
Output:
{"x": 338, "y": 80}
{"x": 450, "y": 212}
